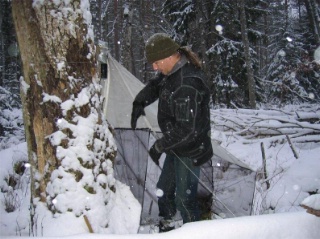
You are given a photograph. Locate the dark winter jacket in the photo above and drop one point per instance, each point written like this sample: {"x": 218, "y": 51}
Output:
{"x": 183, "y": 111}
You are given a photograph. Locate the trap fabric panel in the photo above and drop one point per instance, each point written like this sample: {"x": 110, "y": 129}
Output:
{"x": 119, "y": 90}
{"x": 150, "y": 210}
{"x": 234, "y": 188}
{"x": 130, "y": 165}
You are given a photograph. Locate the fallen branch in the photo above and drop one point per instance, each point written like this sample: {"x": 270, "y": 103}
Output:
{"x": 264, "y": 165}
{"x": 311, "y": 210}
{"x": 292, "y": 148}
{"x": 252, "y": 124}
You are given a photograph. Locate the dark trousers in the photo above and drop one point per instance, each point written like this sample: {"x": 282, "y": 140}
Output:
{"x": 179, "y": 182}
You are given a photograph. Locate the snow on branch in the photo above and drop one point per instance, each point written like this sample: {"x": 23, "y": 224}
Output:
{"x": 312, "y": 203}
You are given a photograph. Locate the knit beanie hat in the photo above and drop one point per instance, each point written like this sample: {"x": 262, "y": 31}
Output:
{"x": 160, "y": 46}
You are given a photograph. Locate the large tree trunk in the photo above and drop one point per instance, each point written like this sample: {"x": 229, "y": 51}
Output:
{"x": 60, "y": 95}
{"x": 39, "y": 77}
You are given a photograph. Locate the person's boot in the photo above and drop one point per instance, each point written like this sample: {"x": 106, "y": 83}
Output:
{"x": 166, "y": 225}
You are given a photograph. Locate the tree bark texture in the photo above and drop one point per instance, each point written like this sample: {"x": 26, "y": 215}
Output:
{"x": 39, "y": 77}
{"x": 58, "y": 63}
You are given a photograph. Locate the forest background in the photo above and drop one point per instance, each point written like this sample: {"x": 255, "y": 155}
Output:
{"x": 254, "y": 52}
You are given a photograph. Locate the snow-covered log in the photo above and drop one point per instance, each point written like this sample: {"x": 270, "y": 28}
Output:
{"x": 301, "y": 126}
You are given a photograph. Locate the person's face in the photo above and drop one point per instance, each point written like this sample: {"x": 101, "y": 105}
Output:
{"x": 164, "y": 65}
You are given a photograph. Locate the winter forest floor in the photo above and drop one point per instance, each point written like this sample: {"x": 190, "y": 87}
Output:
{"x": 281, "y": 145}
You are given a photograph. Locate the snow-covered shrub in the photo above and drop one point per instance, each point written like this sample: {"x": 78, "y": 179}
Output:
{"x": 11, "y": 128}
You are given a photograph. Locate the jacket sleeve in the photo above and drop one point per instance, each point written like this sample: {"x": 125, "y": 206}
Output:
{"x": 188, "y": 107}
{"x": 150, "y": 93}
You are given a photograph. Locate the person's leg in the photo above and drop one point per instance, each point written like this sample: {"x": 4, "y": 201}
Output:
{"x": 187, "y": 179}
{"x": 166, "y": 183}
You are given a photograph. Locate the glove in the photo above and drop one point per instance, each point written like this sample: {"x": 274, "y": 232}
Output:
{"x": 137, "y": 111}
{"x": 155, "y": 154}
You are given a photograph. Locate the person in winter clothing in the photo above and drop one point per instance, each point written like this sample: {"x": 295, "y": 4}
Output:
{"x": 183, "y": 117}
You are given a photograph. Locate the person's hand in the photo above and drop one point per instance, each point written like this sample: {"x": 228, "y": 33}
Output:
{"x": 154, "y": 154}
{"x": 137, "y": 111}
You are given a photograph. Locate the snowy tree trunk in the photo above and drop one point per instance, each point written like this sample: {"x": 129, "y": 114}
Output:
{"x": 116, "y": 32}
{"x": 245, "y": 40}
{"x": 127, "y": 46}
{"x": 314, "y": 17}
{"x": 67, "y": 138}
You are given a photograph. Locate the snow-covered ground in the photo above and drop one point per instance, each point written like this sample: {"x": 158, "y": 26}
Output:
{"x": 291, "y": 180}
{"x": 287, "y": 225}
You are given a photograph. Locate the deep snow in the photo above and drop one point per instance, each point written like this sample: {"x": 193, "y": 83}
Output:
{"x": 291, "y": 181}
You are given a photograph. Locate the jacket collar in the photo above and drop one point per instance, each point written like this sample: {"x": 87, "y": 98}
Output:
{"x": 183, "y": 60}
